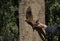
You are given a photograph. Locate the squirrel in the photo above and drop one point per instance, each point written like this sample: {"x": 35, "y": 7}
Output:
{"x": 29, "y": 18}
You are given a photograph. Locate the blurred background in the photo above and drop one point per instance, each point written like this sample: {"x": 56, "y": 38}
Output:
{"x": 52, "y": 8}
{"x": 9, "y": 22}
{"x": 9, "y": 19}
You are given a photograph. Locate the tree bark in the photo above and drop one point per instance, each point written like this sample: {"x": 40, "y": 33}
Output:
{"x": 26, "y": 32}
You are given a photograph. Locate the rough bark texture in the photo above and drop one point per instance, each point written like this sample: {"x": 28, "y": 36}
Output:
{"x": 26, "y": 32}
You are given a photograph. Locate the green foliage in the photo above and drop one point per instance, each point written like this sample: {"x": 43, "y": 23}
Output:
{"x": 52, "y": 16}
{"x": 53, "y": 12}
{"x": 8, "y": 26}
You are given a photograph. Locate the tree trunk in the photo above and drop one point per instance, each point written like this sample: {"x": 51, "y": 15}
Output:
{"x": 37, "y": 7}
